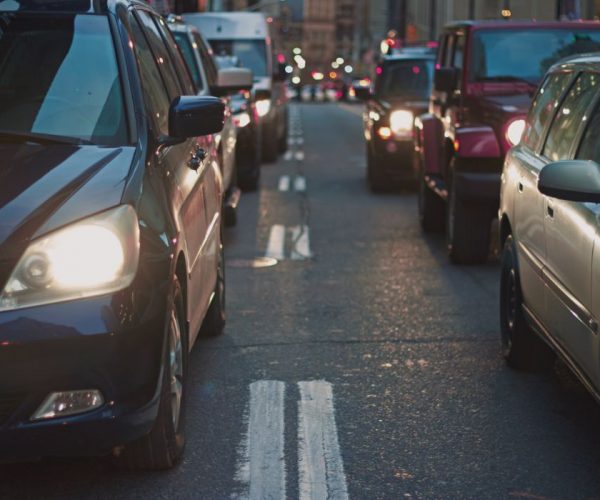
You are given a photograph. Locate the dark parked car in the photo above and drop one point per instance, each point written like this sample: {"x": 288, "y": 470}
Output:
{"x": 111, "y": 258}
{"x": 487, "y": 73}
{"x": 401, "y": 91}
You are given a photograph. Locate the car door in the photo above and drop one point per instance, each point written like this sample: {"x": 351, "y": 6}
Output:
{"x": 570, "y": 230}
{"x": 174, "y": 160}
{"x": 522, "y": 171}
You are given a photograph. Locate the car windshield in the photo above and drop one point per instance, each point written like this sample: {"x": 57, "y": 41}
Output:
{"x": 409, "y": 79}
{"x": 500, "y": 56}
{"x": 60, "y": 79}
{"x": 252, "y": 54}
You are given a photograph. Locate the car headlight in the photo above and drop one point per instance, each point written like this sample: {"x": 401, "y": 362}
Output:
{"x": 91, "y": 257}
{"x": 401, "y": 122}
{"x": 514, "y": 132}
{"x": 241, "y": 120}
{"x": 263, "y": 107}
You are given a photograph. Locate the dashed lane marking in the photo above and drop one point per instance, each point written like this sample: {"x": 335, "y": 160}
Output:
{"x": 301, "y": 243}
{"x": 299, "y": 155}
{"x": 284, "y": 183}
{"x": 289, "y": 156}
{"x": 276, "y": 243}
{"x": 300, "y": 184}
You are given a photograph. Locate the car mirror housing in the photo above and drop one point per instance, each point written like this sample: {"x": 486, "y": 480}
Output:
{"x": 571, "y": 180}
{"x": 445, "y": 79}
{"x": 233, "y": 80}
{"x": 363, "y": 93}
{"x": 193, "y": 116}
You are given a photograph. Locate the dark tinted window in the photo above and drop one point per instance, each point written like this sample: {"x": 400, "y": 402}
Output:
{"x": 543, "y": 107}
{"x": 410, "y": 79}
{"x": 187, "y": 50}
{"x": 502, "y": 55}
{"x": 251, "y": 53}
{"x": 571, "y": 114}
{"x": 155, "y": 95}
{"x": 61, "y": 78}
{"x": 206, "y": 54}
{"x": 590, "y": 145}
{"x": 459, "y": 55}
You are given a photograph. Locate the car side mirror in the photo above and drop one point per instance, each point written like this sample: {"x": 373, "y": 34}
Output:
{"x": 571, "y": 180}
{"x": 194, "y": 116}
{"x": 445, "y": 79}
{"x": 280, "y": 75}
{"x": 233, "y": 80}
{"x": 363, "y": 93}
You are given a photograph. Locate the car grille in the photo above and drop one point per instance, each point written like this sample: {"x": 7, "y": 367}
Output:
{"x": 8, "y": 405}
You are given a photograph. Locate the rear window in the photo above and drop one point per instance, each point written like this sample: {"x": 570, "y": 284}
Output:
{"x": 408, "y": 79}
{"x": 252, "y": 54}
{"x": 61, "y": 78}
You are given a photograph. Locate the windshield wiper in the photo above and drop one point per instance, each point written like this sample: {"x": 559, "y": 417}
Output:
{"x": 8, "y": 135}
{"x": 507, "y": 78}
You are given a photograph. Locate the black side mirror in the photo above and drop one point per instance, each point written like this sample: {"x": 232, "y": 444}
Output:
{"x": 445, "y": 79}
{"x": 280, "y": 74}
{"x": 193, "y": 116}
{"x": 363, "y": 93}
{"x": 571, "y": 180}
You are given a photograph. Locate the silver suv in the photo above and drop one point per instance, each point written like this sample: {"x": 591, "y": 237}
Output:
{"x": 550, "y": 221}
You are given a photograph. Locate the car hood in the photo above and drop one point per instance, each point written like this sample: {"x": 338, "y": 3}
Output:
{"x": 46, "y": 187}
{"x": 262, "y": 83}
{"x": 508, "y": 103}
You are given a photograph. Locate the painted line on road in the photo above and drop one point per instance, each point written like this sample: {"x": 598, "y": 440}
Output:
{"x": 276, "y": 243}
{"x": 299, "y": 155}
{"x": 300, "y": 184}
{"x": 289, "y": 156}
{"x": 300, "y": 243}
{"x": 261, "y": 468}
{"x": 320, "y": 465}
{"x": 284, "y": 183}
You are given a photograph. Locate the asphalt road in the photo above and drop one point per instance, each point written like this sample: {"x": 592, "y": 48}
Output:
{"x": 363, "y": 365}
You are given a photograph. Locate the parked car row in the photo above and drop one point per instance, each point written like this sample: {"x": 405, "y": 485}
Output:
{"x": 123, "y": 145}
{"x": 494, "y": 144}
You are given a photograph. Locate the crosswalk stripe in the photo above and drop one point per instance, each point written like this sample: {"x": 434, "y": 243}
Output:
{"x": 284, "y": 183}
{"x": 320, "y": 465}
{"x": 276, "y": 243}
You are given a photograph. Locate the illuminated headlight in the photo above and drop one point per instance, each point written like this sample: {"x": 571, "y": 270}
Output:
{"x": 515, "y": 130}
{"x": 241, "y": 120}
{"x": 263, "y": 107}
{"x": 92, "y": 257}
{"x": 401, "y": 122}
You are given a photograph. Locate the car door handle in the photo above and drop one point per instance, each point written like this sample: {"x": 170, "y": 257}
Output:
{"x": 550, "y": 211}
{"x": 520, "y": 187}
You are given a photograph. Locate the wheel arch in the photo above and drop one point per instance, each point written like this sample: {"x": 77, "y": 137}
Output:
{"x": 505, "y": 229}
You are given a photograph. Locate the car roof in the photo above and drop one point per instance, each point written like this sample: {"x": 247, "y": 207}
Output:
{"x": 66, "y": 6}
{"x": 409, "y": 56}
{"x": 580, "y": 62}
{"x": 521, "y": 24}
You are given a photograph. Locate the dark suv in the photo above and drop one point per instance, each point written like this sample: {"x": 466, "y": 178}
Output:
{"x": 486, "y": 75}
{"x": 111, "y": 257}
{"x": 400, "y": 92}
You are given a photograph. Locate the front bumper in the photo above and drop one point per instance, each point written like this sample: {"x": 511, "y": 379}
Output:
{"x": 98, "y": 343}
{"x": 394, "y": 158}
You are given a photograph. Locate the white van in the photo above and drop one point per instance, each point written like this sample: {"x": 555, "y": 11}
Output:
{"x": 245, "y": 35}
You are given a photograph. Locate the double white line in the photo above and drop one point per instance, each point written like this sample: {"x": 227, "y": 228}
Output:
{"x": 285, "y": 183}
{"x": 261, "y": 468}
{"x": 300, "y": 242}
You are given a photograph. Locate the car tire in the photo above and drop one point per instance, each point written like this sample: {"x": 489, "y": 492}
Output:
{"x": 375, "y": 180}
{"x": 521, "y": 347}
{"x": 468, "y": 228}
{"x": 163, "y": 447}
{"x": 282, "y": 145}
{"x": 215, "y": 319}
{"x": 431, "y": 208}
{"x": 270, "y": 145}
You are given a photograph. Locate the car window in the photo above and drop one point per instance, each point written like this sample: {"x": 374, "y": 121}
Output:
{"x": 155, "y": 94}
{"x": 163, "y": 59}
{"x": 590, "y": 145}
{"x": 544, "y": 105}
{"x": 458, "y": 59}
{"x": 441, "y": 51}
{"x": 61, "y": 78}
{"x": 187, "y": 49}
{"x": 208, "y": 61}
{"x": 571, "y": 114}
{"x": 448, "y": 56}
{"x": 408, "y": 79}
{"x": 185, "y": 78}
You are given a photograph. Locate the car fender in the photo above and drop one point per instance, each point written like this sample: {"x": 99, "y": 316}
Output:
{"x": 476, "y": 142}
{"x": 429, "y": 140}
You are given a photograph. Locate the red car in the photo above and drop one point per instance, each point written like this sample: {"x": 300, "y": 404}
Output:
{"x": 485, "y": 78}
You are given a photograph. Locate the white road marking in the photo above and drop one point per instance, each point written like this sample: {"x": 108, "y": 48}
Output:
{"x": 300, "y": 141}
{"x": 300, "y": 184}
{"x": 261, "y": 468}
{"x": 299, "y": 155}
{"x": 289, "y": 156}
{"x": 276, "y": 244}
{"x": 284, "y": 183}
{"x": 301, "y": 243}
{"x": 320, "y": 465}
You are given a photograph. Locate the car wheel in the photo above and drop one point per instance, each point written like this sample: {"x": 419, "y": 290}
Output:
{"x": 468, "y": 228}
{"x": 270, "y": 145}
{"x": 376, "y": 183}
{"x": 214, "y": 321}
{"x": 282, "y": 145}
{"x": 431, "y": 208}
{"x": 521, "y": 347}
{"x": 163, "y": 447}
